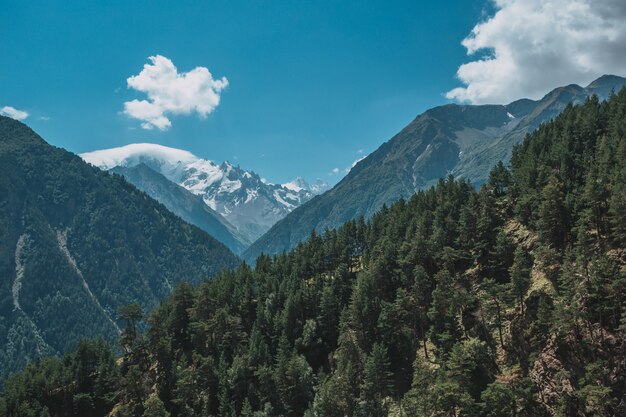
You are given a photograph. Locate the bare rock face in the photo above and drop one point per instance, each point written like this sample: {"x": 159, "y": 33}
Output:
{"x": 551, "y": 377}
{"x": 560, "y": 365}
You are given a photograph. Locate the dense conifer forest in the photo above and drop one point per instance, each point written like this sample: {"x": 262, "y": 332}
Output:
{"x": 76, "y": 243}
{"x": 504, "y": 301}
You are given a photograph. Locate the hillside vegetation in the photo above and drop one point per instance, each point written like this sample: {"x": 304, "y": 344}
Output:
{"x": 75, "y": 244}
{"x": 506, "y": 301}
{"x": 184, "y": 204}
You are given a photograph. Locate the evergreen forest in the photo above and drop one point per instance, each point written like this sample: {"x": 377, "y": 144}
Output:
{"x": 508, "y": 300}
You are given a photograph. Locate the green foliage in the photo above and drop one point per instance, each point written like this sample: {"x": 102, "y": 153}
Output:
{"x": 153, "y": 407}
{"x": 76, "y": 244}
{"x": 376, "y": 383}
{"x": 85, "y": 382}
{"x": 423, "y": 310}
{"x": 499, "y": 179}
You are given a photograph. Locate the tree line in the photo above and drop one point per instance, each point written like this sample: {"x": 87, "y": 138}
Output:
{"x": 509, "y": 300}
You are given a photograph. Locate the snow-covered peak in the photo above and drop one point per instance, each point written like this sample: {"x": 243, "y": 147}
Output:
{"x": 170, "y": 162}
{"x": 300, "y": 185}
{"x": 297, "y": 185}
{"x": 319, "y": 187}
{"x": 246, "y": 200}
{"x": 197, "y": 176}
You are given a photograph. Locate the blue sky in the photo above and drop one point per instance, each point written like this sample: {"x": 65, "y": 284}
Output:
{"x": 311, "y": 84}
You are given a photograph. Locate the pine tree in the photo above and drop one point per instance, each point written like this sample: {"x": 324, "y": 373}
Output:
{"x": 552, "y": 222}
{"x": 154, "y": 407}
{"x": 499, "y": 401}
{"x": 494, "y": 304}
{"x": 376, "y": 383}
{"x": 131, "y": 315}
{"x": 443, "y": 312}
{"x": 499, "y": 179}
{"x": 617, "y": 201}
{"x": 520, "y": 276}
{"x": 182, "y": 300}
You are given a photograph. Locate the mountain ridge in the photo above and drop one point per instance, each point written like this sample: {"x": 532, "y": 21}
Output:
{"x": 76, "y": 243}
{"x": 438, "y": 142}
{"x": 184, "y": 204}
{"x": 242, "y": 197}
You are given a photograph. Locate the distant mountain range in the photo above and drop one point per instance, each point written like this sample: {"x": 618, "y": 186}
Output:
{"x": 243, "y": 198}
{"x": 458, "y": 140}
{"x": 300, "y": 184}
{"x": 76, "y": 243}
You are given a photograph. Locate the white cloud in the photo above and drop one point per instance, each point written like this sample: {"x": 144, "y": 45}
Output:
{"x": 135, "y": 153}
{"x": 13, "y": 113}
{"x": 172, "y": 93}
{"x": 533, "y": 46}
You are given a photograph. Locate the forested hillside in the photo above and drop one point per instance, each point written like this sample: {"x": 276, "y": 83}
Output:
{"x": 506, "y": 301}
{"x": 76, "y": 243}
{"x": 184, "y": 204}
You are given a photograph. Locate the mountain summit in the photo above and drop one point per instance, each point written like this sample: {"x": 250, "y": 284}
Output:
{"x": 299, "y": 184}
{"x": 464, "y": 141}
{"x": 245, "y": 200}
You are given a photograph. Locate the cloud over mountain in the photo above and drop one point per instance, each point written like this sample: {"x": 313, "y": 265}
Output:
{"x": 528, "y": 46}
{"x": 13, "y": 113}
{"x": 172, "y": 93}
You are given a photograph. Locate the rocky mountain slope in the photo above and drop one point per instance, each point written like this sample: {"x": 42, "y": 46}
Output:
{"x": 184, "y": 204}
{"x": 459, "y": 140}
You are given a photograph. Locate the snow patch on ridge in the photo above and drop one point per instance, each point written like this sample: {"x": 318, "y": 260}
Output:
{"x": 229, "y": 186}
{"x": 278, "y": 198}
{"x": 251, "y": 194}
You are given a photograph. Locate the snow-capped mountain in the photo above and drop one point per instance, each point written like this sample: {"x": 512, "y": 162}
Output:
{"x": 248, "y": 202}
{"x": 299, "y": 184}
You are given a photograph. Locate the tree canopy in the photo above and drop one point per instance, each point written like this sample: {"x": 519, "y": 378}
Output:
{"x": 509, "y": 300}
